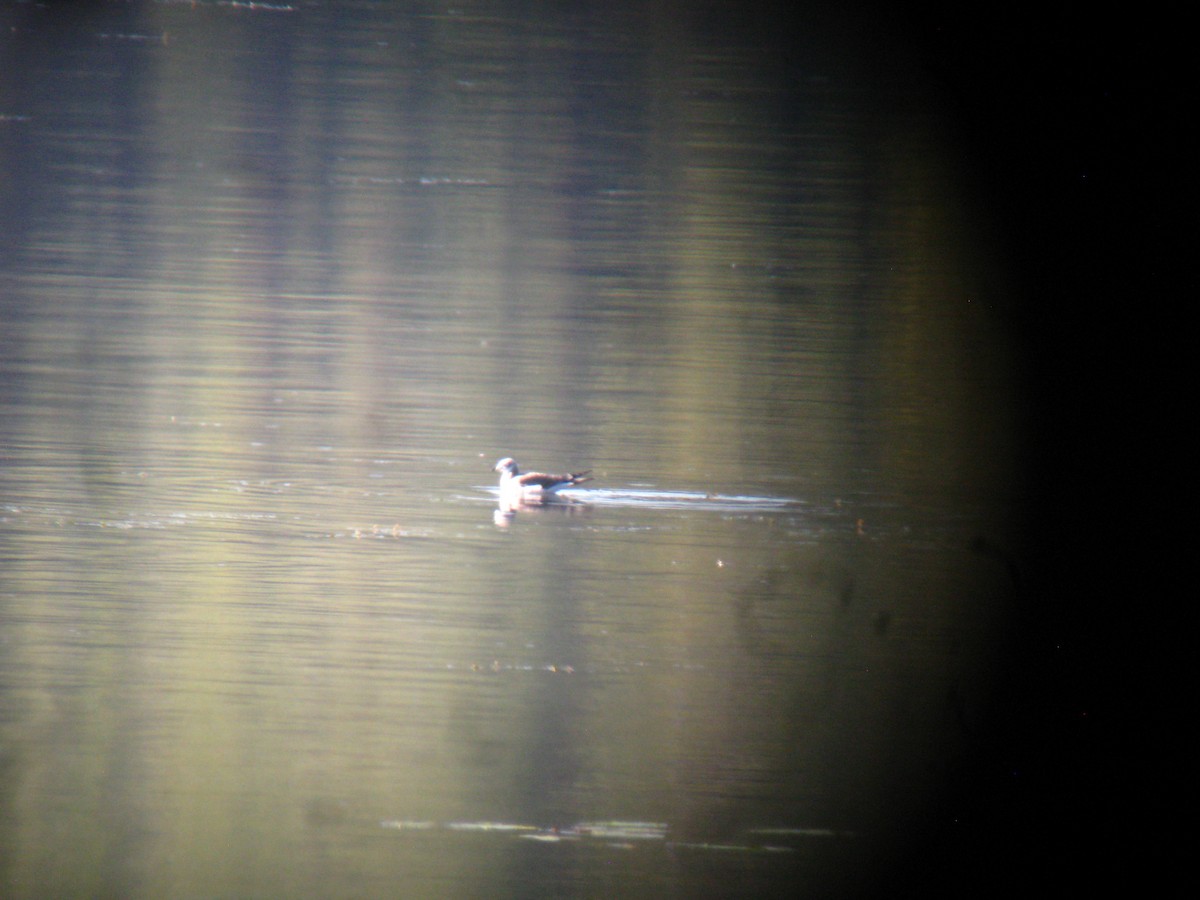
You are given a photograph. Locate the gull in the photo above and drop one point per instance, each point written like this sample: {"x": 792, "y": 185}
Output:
{"x": 532, "y": 487}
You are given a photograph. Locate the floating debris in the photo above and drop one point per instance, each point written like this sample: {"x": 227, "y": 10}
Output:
{"x": 489, "y": 826}
{"x": 119, "y": 36}
{"x": 550, "y": 837}
{"x": 618, "y": 830}
{"x": 620, "y": 834}
{"x": 234, "y": 4}
{"x": 256, "y": 6}
{"x": 420, "y": 180}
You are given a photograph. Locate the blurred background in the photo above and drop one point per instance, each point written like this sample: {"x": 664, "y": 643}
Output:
{"x": 280, "y": 282}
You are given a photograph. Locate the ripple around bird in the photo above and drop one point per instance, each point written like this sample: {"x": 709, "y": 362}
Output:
{"x": 652, "y": 499}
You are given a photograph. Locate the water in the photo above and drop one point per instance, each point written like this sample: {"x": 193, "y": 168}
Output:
{"x": 279, "y": 285}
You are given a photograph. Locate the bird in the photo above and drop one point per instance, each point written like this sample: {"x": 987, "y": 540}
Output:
{"x": 533, "y": 487}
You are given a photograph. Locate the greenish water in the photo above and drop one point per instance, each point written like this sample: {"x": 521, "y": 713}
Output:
{"x": 281, "y": 283}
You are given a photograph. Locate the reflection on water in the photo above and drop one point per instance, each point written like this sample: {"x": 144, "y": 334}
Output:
{"x": 674, "y": 500}
{"x": 278, "y": 283}
{"x": 576, "y": 500}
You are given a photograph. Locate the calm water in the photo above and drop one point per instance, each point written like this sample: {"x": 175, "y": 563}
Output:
{"x": 278, "y": 285}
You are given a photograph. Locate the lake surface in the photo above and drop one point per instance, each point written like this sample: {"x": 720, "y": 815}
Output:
{"x": 279, "y": 283}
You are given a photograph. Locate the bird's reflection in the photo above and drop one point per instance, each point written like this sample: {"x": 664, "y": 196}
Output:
{"x": 507, "y": 508}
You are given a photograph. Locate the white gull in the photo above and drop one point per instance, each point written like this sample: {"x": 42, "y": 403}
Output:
{"x": 532, "y": 487}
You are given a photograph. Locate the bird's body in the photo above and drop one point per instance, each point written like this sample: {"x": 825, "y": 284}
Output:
{"x": 533, "y": 487}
